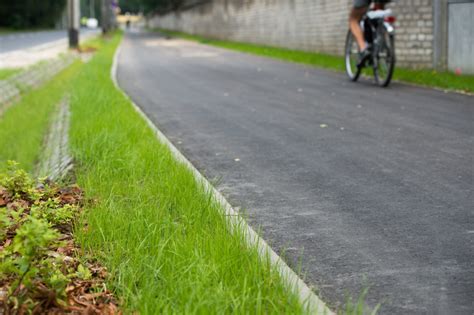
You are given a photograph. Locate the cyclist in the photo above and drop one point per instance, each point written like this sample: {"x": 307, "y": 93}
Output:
{"x": 358, "y": 10}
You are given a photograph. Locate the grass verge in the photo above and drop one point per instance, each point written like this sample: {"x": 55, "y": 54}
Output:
{"x": 24, "y": 125}
{"x": 7, "y": 30}
{"x": 163, "y": 238}
{"x": 425, "y": 77}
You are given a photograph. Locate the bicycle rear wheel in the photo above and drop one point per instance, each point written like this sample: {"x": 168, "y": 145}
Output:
{"x": 352, "y": 57}
{"x": 384, "y": 58}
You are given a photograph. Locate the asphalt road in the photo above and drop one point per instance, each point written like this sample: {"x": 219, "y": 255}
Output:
{"x": 368, "y": 186}
{"x": 24, "y": 40}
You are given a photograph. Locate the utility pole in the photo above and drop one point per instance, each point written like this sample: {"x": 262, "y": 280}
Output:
{"x": 73, "y": 10}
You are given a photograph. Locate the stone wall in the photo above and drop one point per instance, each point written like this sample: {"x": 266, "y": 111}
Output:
{"x": 311, "y": 25}
{"x": 414, "y": 32}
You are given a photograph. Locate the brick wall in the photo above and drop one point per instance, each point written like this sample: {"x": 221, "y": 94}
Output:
{"x": 311, "y": 25}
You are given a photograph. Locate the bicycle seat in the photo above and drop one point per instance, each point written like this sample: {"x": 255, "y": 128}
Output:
{"x": 379, "y": 14}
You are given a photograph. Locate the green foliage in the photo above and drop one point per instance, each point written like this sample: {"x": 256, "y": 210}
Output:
{"x": 27, "y": 261}
{"x": 5, "y": 224}
{"x": 28, "y": 237}
{"x": 83, "y": 273}
{"x": 149, "y": 6}
{"x": 52, "y": 211}
{"x": 131, "y": 6}
{"x": 91, "y": 8}
{"x": 30, "y": 14}
{"x": 29, "y": 246}
{"x": 16, "y": 181}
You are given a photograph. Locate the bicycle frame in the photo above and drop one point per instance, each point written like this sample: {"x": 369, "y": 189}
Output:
{"x": 377, "y": 26}
{"x": 373, "y": 18}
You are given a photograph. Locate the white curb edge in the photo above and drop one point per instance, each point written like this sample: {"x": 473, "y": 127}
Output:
{"x": 312, "y": 303}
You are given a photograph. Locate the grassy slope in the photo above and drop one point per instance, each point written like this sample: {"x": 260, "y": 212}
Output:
{"x": 24, "y": 125}
{"x": 5, "y": 73}
{"x": 444, "y": 80}
{"x": 8, "y": 30}
{"x": 162, "y": 237}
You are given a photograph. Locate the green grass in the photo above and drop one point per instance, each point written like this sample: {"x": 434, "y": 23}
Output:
{"x": 6, "y": 30}
{"x": 432, "y": 78}
{"x": 24, "y": 125}
{"x": 425, "y": 77}
{"x": 5, "y": 73}
{"x": 162, "y": 237}
{"x": 359, "y": 306}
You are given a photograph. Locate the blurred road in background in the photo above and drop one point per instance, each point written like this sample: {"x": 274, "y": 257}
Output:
{"x": 20, "y": 49}
{"x": 368, "y": 186}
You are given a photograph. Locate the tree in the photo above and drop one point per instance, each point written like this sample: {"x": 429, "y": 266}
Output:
{"x": 90, "y": 8}
{"x": 149, "y": 6}
{"x": 132, "y": 6}
{"x": 30, "y": 13}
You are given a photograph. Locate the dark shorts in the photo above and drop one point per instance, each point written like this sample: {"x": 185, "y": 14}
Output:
{"x": 365, "y": 3}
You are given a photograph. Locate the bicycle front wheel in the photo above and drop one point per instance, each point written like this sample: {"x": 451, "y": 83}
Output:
{"x": 384, "y": 58}
{"x": 352, "y": 57}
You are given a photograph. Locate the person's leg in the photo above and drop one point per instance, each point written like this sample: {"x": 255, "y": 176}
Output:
{"x": 354, "y": 24}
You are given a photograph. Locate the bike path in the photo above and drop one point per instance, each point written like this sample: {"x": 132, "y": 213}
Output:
{"x": 367, "y": 186}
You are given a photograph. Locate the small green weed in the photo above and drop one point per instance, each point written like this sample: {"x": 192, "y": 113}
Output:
{"x": 16, "y": 181}
{"x": 37, "y": 272}
{"x": 360, "y": 307}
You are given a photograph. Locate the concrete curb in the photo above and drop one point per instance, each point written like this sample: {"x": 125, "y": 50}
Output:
{"x": 56, "y": 161}
{"x": 312, "y": 303}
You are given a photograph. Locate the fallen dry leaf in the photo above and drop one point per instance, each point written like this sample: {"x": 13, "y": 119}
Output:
{"x": 82, "y": 296}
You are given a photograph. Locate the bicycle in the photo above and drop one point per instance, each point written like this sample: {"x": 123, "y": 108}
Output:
{"x": 379, "y": 34}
